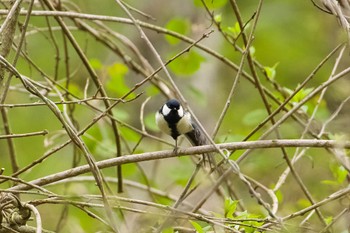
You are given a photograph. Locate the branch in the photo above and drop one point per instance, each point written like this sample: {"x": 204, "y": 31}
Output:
{"x": 22, "y": 135}
{"x": 182, "y": 152}
{"x": 37, "y": 216}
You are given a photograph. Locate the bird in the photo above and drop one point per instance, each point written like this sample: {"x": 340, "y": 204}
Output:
{"x": 173, "y": 120}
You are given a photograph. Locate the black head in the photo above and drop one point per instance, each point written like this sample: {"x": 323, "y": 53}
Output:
{"x": 173, "y": 104}
{"x": 169, "y": 118}
{"x": 172, "y": 111}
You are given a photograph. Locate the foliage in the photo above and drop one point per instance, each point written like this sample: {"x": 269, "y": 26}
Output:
{"x": 79, "y": 89}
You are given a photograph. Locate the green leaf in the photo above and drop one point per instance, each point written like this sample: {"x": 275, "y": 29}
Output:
{"x": 330, "y": 182}
{"x": 301, "y": 94}
{"x": 130, "y": 170}
{"x": 121, "y": 114}
{"x": 116, "y": 83}
{"x": 168, "y": 230}
{"x": 338, "y": 137}
{"x": 164, "y": 201}
{"x": 252, "y": 51}
{"x": 95, "y": 63}
{"x": 211, "y": 4}
{"x": 197, "y": 227}
{"x": 179, "y": 173}
{"x": 74, "y": 89}
{"x": 230, "y": 207}
{"x": 271, "y": 71}
{"x": 329, "y": 220}
{"x": 303, "y": 203}
{"x": 250, "y": 225}
{"x": 105, "y": 148}
{"x": 339, "y": 172}
{"x": 233, "y": 31}
{"x": 218, "y": 18}
{"x": 229, "y": 137}
{"x": 129, "y": 134}
{"x": 92, "y": 137}
{"x": 187, "y": 64}
{"x": 150, "y": 122}
{"x": 152, "y": 90}
{"x": 254, "y": 117}
{"x": 279, "y": 196}
{"x": 179, "y": 25}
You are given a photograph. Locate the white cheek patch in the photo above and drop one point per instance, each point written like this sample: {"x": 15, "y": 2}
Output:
{"x": 165, "y": 110}
{"x": 180, "y": 111}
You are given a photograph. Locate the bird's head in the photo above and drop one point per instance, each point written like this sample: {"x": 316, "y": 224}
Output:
{"x": 172, "y": 107}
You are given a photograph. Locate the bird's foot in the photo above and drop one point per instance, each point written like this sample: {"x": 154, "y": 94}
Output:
{"x": 208, "y": 162}
{"x": 175, "y": 150}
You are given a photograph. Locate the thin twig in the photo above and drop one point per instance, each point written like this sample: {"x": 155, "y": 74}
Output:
{"x": 37, "y": 217}
{"x": 44, "y": 132}
{"x": 159, "y": 30}
{"x": 98, "y": 85}
{"x": 297, "y": 106}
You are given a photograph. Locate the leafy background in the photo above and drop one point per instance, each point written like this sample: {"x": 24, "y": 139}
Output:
{"x": 290, "y": 40}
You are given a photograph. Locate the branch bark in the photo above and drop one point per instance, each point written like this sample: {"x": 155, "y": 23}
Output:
{"x": 7, "y": 32}
{"x": 182, "y": 152}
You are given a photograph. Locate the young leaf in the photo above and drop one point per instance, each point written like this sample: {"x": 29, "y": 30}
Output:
{"x": 105, "y": 148}
{"x": 230, "y": 207}
{"x": 150, "y": 122}
{"x": 179, "y": 25}
{"x": 116, "y": 83}
{"x": 271, "y": 71}
{"x": 197, "y": 227}
{"x": 279, "y": 196}
{"x": 254, "y": 117}
{"x": 252, "y": 51}
{"x": 75, "y": 89}
{"x": 95, "y": 63}
{"x": 329, "y": 220}
{"x": 235, "y": 30}
{"x": 329, "y": 182}
{"x": 151, "y": 91}
{"x": 121, "y": 114}
{"x": 129, "y": 134}
{"x": 218, "y": 18}
{"x": 168, "y": 230}
{"x": 301, "y": 94}
{"x": 341, "y": 174}
{"x": 187, "y": 64}
{"x": 130, "y": 170}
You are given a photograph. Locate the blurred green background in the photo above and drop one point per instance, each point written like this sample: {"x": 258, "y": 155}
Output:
{"x": 291, "y": 39}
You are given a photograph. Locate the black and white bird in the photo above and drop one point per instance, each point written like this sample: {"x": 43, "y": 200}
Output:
{"x": 173, "y": 120}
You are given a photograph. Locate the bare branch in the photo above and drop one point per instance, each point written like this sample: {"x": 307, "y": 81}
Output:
{"x": 189, "y": 151}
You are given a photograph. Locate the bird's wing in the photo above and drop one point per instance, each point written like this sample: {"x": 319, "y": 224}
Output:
{"x": 196, "y": 137}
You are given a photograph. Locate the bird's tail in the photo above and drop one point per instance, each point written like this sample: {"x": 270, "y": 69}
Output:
{"x": 198, "y": 138}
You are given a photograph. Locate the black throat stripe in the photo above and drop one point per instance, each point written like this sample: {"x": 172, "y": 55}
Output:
{"x": 174, "y": 132}
{"x": 172, "y": 119}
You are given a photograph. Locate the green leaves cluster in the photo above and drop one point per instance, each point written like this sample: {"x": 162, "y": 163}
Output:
{"x": 188, "y": 63}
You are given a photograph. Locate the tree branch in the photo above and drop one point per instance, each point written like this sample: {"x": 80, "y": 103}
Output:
{"x": 182, "y": 152}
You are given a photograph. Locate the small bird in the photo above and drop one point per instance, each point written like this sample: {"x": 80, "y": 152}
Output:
{"x": 173, "y": 120}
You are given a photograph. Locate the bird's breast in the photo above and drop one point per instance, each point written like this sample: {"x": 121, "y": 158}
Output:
{"x": 185, "y": 124}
